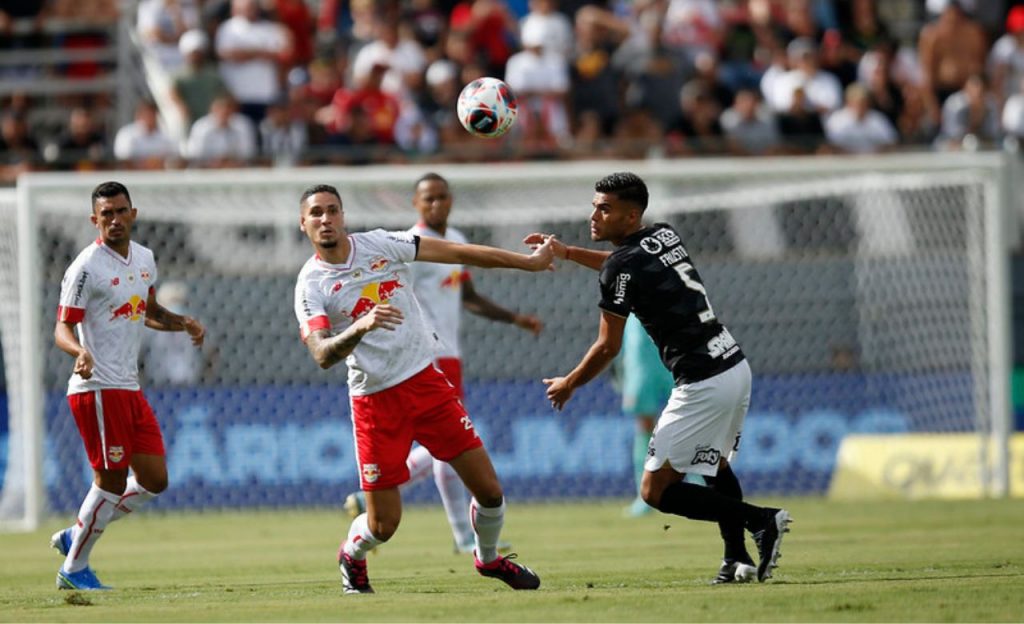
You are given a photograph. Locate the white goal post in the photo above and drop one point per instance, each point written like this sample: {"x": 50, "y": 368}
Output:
{"x": 888, "y": 274}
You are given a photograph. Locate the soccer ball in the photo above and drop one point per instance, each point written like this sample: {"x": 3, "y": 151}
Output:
{"x": 487, "y": 108}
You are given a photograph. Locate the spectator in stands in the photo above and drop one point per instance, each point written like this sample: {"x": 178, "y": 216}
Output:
{"x": 1006, "y": 60}
{"x": 950, "y": 49}
{"x": 886, "y": 94}
{"x": 858, "y": 129}
{"x": 654, "y": 73}
{"x": 161, "y": 23}
{"x": 81, "y": 146}
{"x": 199, "y": 82}
{"x": 916, "y": 124}
{"x": 555, "y": 28}
{"x": 429, "y": 25}
{"x": 251, "y": 51}
{"x": 693, "y": 27}
{"x": 19, "y": 152}
{"x": 970, "y": 117}
{"x": 823, "y": 92}
{"x": 295, "y": 16}
{"x": 1013, "y": 115}
{"x": 540, "y": 79}
{"x": 223, "y": 138}
{"x": 696, "y": 128}
{"x": 749, "y": 127}
{"x": 142, "y": 143}
{"x": 489, "y": 26}
{"x": 801, "y": 127}
{"x": 378, "y": 111}
{"x": 864, "y": 31}
{"x": 283, "y": 135}
{"x": 403, "y": 56}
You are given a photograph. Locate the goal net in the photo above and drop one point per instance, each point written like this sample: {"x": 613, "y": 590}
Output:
{"x": 868, "y": 294}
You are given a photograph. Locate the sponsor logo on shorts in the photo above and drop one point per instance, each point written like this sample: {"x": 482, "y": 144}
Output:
{"x": 115, "y": 453}
{"x": 371, "y": 473}
{"x": 706, "y": 455}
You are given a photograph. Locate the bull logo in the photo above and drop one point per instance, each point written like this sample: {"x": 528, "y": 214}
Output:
{"x": 131, "y": 310}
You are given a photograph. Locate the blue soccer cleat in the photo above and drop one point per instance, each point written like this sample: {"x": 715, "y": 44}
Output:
{"x": 61, "y": 541}
{"x": 84, "y": 579}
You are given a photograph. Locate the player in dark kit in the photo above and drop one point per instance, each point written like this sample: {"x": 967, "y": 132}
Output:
{"x": 650, "y": 275}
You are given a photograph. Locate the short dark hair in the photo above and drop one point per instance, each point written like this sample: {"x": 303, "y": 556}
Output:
{"x": 110, "y": 189}
{"x": 319, "y": 188}
{"x": 626, "y": 186}
{"x": 429, "y": 177}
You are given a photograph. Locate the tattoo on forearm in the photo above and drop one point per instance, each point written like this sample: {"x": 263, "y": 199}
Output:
{"x": 329, "y": 351}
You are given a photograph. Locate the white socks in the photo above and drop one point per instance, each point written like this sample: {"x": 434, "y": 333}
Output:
{"x": 134, "y": 496}
{"x": 419, "y": 463}
{"x": 95, "y": 513}
{"x": 360, "y": 540}
{"x": 455, "y": 499}
{"x": 487, "y": 522}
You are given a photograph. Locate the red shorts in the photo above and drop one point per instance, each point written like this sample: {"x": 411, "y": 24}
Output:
{"x": 424, "y": 408}
{"x": 116, "y": 424}
{"x": 452, "y": 369}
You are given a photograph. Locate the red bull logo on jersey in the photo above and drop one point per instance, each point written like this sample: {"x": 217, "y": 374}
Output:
{"x": 375, "y": 294}
{"x": 452, "y": 280}
{"x": 371, "y": 473}
{"x": 115, "y": 453}
{"x": 379, "y": 264}
{"x": 131, "y": 310}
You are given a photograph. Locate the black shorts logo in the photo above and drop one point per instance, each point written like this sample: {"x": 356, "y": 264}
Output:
{"x": 705, "y": 455}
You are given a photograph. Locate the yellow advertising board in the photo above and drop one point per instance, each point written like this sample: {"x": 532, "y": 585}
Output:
{"x": 917, "y": 466}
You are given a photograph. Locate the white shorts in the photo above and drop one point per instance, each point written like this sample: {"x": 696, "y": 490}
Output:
{"x": 701, "y": 423}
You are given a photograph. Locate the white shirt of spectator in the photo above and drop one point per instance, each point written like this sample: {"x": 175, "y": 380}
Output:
{"x": 333, "y": 296}
{"x": 690, "y": 24}
{"x": 555, "y": 29}
{"x": 1013, "y": 115}
{"x": 209, "y": 141}
{"x": 153, "y": 14}
{"x": 107, "y": 295}
{"x": 255, "y": 81}
{"x": 540, "y": 74}
{"x": 859, "y": 136}
{"x": 1007, "y": 52}
{"x": 133, "y": 142}
{"x": 823, "y": 90}
{"x": 438, "y": 288}
{"x": 405, "y": 58}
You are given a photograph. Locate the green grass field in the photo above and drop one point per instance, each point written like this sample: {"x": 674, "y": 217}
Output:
{"x": 934, "y": 561}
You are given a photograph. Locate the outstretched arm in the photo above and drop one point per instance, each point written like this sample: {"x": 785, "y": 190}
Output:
{"x": 590, "y": 258}
{"x": 328, "y": 350}
{"x": 162, "y": 319}
{"x": 482, "y": 306}
{"x": 599, "y": 356}
{"x": 447, "y": 252}
{"x": 66, "y": 340}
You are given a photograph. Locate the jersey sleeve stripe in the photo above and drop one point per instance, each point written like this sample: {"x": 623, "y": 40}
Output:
{"x": 67, "y": 314}
{"x": 314, "y": 324}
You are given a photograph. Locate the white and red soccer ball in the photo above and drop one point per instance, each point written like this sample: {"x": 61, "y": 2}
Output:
{"x": 487, "y": 108}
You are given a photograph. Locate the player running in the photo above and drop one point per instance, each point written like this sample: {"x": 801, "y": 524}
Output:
{"x": 108, "y": 296}
{"x": 354, "y": 302}
{"x": 443, "y": 291}
{"x": 651, "y": 275}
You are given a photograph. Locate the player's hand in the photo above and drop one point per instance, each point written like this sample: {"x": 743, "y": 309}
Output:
{"x": 537, "y": 239}
{"x": 529, "y": 322}
{"x": 383, "y": 316}
{"x": 540, "y": 259}
{"x": 83, "y": 364}
{"x": 195, "y": 330}
{"x": 559, "y": 391}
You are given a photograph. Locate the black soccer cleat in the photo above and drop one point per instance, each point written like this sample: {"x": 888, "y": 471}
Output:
{"x": 515, "y": 576}
{"x": 354, "y": 579}
{"x": 769, "y": 539}
{"x": 735, "y": 572}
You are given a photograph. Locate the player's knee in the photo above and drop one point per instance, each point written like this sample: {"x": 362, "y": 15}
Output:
{"x": 155, "y": 484}
{"x": 491, "y": 498}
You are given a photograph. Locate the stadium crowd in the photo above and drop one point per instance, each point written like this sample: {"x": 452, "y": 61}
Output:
{"x": 291, "y": 82}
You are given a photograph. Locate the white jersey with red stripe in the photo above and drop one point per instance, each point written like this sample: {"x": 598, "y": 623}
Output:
{"x": 439, "y": 290}
{"x": 105, "y": 294}
{"x": 333, "y": 296}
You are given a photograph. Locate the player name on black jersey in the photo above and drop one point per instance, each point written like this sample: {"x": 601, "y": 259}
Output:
{"x": 652, "y": 276}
